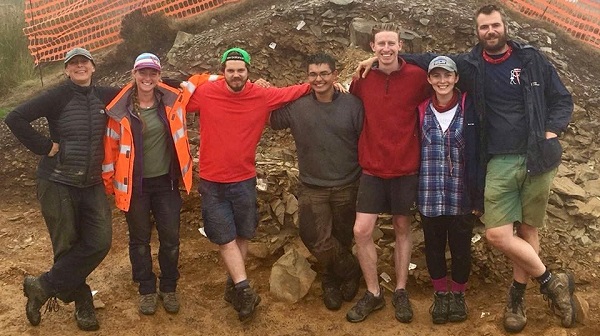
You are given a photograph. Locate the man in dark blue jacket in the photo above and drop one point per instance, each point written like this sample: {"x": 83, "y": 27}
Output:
{"x": 524, "y": 106}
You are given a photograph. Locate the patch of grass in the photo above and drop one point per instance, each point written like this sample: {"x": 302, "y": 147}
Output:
{"x": 4, "y": 111}
{"x": 16, "y": 65}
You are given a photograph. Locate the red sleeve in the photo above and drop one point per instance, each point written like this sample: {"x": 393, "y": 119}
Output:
{"x": 193, "y": 85}
{"x": 278, "y": 97}
{"x": 193, "y": 104}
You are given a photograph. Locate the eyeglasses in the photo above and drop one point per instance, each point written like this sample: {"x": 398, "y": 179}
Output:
{"x": 322, "y": 74}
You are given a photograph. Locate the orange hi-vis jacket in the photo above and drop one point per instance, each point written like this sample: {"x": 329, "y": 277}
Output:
{"x": 117, "y": 168}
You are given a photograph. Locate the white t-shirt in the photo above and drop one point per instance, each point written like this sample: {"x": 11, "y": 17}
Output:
{"x": 445, "y": 118}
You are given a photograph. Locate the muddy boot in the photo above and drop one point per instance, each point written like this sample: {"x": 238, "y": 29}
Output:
{"x": 332, "y": 296}
{"x": 347, "y": 269}
{"x": 148, "y": 303}
{"x": 559, "y": 290}
{"x": 365, "y": 306}
{"x": 170, "y": 302}
{"x": 247, "y": 300}
{"x": 85, "y": 313}
{"x": 439, "y": 308}
{"x": 515, "y": 318}
{"x": 457, "y": 308}
{"x": 36, "y": 297}
{"x": 229, "y": 295}
{"x": 404, "y": 312}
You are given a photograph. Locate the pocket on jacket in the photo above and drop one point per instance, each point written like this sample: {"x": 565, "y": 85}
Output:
{"x": 460, "y": 139}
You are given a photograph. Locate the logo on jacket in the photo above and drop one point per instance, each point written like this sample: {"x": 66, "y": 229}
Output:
{"x": 515, "y": 76}
{"x": 102, "y": 112}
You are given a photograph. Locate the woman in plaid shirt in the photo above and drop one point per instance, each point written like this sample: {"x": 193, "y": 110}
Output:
{"x": 450, "y": 187}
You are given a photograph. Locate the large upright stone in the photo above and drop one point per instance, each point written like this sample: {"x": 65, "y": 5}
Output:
{"x": 360, "y": 33}
{"x": 291, "y": 277}
{"x": 360, "y": 36}
{"x": 181, "y": 42}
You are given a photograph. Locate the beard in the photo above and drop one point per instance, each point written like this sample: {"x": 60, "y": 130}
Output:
{"x": 236, "y": 84}
{"x": 496, "y": 47}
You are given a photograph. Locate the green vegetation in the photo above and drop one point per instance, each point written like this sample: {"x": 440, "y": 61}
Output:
{"x": 3, "y": 112}
{"x": 16, "y": 65}
{"x": 143, "y": 34}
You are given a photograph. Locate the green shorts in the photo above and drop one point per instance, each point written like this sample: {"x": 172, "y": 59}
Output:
{"x": 512, "y": 195}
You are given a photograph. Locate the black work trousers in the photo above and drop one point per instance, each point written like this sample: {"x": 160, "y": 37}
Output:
{"x": 79, "y": 223}
{"x": 455, "y": 231}
{"x": 159, "y": 197}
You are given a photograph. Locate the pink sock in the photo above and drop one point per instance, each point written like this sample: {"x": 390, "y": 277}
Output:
{"x": 440, "y": 285}
{"x": 456, "y": 287}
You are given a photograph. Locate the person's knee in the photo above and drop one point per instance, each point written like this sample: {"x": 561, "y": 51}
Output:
{"x": 497, "y": 237}
{"x": 362, "y": 233}
{"x": 401, "y": 226}
{"x": 527, "y": 231}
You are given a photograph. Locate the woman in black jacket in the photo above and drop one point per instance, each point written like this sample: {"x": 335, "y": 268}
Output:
{"x": 69, "y": 185}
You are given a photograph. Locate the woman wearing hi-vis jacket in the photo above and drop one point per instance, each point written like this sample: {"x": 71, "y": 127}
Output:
{"x": 146, "y": 155}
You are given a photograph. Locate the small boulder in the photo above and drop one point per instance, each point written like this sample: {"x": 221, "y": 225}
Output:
{"x": 291, "y": 277}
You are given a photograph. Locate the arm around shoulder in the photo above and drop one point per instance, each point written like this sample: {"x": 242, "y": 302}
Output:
{"x": 278, "y": 97}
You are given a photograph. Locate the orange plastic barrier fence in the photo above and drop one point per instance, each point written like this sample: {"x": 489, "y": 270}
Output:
{"x": 53, "y": 27}
{"x": 581, "y": 18}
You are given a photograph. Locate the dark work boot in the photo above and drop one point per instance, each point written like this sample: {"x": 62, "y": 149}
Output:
{"x": 36, "y": 297}
{"x": 148, "y": 303}
{"x": 332, "y": 296}
{"x": 402, "y": 306}
{"x": 85, "y": 313}
{"x": 247, "y": 300}
{"x": 457, "y": 308}
{"x": 229, "y": 295}
{"x": 439, "y": 308}
{"x": 170, "y": 302}
{"x": 347, "y": 269}
{"x": 351, "y": 279}
{"x": 365, "y": 306}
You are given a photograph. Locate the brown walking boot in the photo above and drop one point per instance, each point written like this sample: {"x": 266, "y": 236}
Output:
{"x": 559, "y": 290}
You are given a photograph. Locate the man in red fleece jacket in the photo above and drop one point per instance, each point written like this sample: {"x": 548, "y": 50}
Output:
{"x": 233, "y": 114}
{"x": 388, "y": 151}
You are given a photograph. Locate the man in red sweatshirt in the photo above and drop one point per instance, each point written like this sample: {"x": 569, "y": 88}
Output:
{"x": 233, "y": 114}
{"x": 388, "y": 151}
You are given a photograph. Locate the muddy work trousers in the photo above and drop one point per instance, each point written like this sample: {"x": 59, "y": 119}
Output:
{"x": 326, "y": 217}
{"x": 79, "y": 223}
